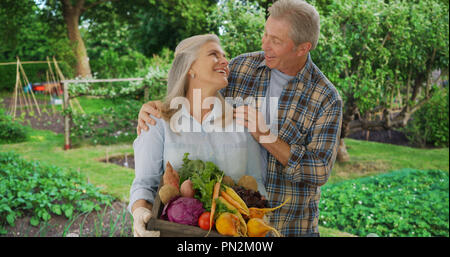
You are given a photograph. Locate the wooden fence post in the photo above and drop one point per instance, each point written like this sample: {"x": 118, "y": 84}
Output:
{"x": 146, "y": 93}
{"x": 66, "y": 117}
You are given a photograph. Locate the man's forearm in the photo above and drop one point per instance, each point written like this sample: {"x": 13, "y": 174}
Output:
{"x": 279, "y": 149}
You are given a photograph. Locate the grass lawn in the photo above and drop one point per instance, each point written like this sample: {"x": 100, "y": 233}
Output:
{"x": 370, "y": 158}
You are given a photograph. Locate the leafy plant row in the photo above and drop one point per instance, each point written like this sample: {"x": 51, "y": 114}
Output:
{"x": 113, "y": 124}
{"x": 407, "y": 202}
{"x": 38, "y": 190}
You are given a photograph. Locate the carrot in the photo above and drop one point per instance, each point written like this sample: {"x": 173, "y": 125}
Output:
{"x": 213, "y": 204}
{"x": 235, "y": 203}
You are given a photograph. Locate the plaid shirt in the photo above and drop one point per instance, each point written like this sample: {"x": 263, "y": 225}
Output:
{"x": 309, "y": 120}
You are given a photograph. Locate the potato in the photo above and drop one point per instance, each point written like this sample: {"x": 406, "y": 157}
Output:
{"x": 167, "y": 192}
{"x": 227, "y": 180}
{"x": 187, "y": 189}
{"x": 248, "y": 182}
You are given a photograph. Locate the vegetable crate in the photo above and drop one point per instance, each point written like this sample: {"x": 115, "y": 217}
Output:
{"x": 172, "y": 229}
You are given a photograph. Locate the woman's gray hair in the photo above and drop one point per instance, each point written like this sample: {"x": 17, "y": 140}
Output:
{"x": 177, "y": 81}
{"x": 303, "y": 17}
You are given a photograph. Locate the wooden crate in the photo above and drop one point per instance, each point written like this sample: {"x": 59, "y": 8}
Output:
{"x": 172, "y": 229}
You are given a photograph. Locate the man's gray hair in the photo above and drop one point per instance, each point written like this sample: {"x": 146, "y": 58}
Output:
{"x": 177, "y": 80}
{"x": 303, "y": 17}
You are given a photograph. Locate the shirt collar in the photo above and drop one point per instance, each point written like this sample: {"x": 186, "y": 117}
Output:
{"x": 216, "y": 111}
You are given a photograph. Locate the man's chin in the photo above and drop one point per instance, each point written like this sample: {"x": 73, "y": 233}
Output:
{"x": 271, "y": 65}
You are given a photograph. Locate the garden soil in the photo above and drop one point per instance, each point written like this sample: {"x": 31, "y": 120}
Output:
{"x": 113, "y": 221}
{"x": 48, "y": 120}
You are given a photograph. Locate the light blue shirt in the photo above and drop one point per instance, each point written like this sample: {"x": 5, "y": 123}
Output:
{"x": 278, "y": 82}
{"x": 235, "y": 153}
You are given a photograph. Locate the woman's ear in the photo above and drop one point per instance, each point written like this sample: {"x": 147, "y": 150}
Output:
{"x": 192, "y": 73}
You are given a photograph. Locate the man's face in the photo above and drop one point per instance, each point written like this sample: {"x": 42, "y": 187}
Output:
{"x": 279, "y": 49}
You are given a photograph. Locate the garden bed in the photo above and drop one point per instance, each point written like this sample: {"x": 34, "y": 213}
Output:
{"x": 126, "y": 161}
{"x": 49, "y": 119}
{"x": 383, "y": 136}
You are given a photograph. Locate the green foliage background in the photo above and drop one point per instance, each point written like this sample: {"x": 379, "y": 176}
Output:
{"x": 429, "y": 125}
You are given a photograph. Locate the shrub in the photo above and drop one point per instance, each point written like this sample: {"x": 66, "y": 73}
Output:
{"x": 113, "y": 124}
{"x": 429, "y": 125}
{"x": 401, "y": 203}
{"x": 10, "y": 131}
{"x": 39, "y": 190}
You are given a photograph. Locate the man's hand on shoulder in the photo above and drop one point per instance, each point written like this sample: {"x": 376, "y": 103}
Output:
{"x": 153, "y": 108}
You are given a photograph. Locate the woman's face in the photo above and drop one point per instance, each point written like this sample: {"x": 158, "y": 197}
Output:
{"x": 210, "y": 69}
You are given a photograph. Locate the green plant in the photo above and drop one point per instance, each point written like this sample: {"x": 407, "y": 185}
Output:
{"x": 429, "y": 125}
{"x": 10, "y": 131}
{"x": 113, "y": 124}
{"x": 40, "y": 190}
{"x": 407, "y": 202}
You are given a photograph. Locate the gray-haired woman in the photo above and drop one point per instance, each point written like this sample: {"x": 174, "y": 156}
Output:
{"x": 189, "y": 124}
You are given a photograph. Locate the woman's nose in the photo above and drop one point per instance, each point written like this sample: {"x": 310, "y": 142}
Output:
{"x": 224, "y": 61}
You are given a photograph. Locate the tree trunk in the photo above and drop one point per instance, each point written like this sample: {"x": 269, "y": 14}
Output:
{"x": 342, "y": 155}
{"x": 71, "y": 15}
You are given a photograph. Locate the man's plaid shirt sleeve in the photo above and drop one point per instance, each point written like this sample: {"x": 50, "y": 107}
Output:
{"x": 312, "y": 163}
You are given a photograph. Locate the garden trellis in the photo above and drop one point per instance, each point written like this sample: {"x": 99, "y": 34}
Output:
{"x": 23, "y": 88}
{"x": 67, "y": 100}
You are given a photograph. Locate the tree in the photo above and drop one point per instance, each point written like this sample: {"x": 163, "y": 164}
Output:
{"x": 381, "y": 55}
{"x": 234, "y": 19}
{"x": 166, "y": 23}
{"x": 72, "y": 13}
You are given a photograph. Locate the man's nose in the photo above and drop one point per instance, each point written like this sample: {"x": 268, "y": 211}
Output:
{"x": 265, "y": 45}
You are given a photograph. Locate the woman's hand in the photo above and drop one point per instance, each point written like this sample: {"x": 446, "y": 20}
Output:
{"x": 141, "y": 216}
{"x": 153, "y": 108}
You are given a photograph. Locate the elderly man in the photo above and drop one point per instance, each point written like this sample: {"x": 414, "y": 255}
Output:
{"x": 301, "y": 155}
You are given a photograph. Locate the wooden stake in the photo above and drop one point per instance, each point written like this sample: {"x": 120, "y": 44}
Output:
{"x": 51, "y": 98}
{"x": 66, "y": 118}
{"x": 61, "y": 77}
{"x": 15, "y": 90}
{"x": 26, "y": 79}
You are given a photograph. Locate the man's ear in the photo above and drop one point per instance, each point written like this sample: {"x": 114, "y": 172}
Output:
{"x": 303, "y": 49}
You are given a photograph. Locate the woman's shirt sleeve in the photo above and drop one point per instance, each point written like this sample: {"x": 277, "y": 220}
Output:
{"x": 148, "y": 157}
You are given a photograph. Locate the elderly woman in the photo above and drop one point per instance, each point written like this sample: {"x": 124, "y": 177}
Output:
{"x": 192, "y": 120}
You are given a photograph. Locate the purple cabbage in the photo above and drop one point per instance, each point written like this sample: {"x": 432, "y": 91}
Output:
{"x": 183, "y": 210}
